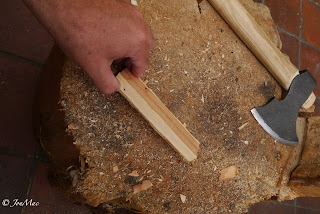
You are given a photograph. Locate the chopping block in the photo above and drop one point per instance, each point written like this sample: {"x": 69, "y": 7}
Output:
{"x": 209, "y": 80}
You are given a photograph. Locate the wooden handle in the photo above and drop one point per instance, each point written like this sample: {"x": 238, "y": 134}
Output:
{"x": 259, "y": 43}
{"x": 158, "y": 115}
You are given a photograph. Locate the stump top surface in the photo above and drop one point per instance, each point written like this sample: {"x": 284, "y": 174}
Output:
{"x": 210, "y": 81}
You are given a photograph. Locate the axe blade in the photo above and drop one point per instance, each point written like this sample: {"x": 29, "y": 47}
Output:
{"x": 272, "y": 122}
{"x": 278, "y": 118}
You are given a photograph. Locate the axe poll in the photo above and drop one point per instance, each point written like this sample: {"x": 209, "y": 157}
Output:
{"x": 278, "y": 118}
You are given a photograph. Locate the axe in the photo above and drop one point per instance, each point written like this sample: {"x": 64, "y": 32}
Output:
{"x": 277, "y": 118}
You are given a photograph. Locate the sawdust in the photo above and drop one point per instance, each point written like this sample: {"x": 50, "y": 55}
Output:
{"x": 210, "y": 81}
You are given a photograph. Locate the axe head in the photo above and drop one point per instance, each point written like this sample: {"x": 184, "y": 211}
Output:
{"x": 278, "y": 118}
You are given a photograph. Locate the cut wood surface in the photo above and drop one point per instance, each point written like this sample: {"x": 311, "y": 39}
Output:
{"x": 305, "y": 179}
{"x": 158, "y": 115}
{"x": 259, "y": 43}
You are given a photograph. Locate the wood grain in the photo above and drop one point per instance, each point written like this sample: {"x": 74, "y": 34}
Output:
{"x": 158, "y": 115}
{"x": 259, "y": 43}
{"x": 305, "y": 179}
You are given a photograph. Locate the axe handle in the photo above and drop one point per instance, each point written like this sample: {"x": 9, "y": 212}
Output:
{"x": 259, "y": 43}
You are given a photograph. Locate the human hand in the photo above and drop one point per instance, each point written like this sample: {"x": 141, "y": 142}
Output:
{"x": 94, "y": 33}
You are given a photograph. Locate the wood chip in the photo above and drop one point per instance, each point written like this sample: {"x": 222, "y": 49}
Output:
{"x": 183, "y": 198}
{"x": 70, "y": 167}
{"x": 202, "y": 99}
{"x": 83, "y": 164}
{"x": 134, "y": 173}
{"x": 75, "y": 177}
{"x": 115, "y": 169}
{"x": 146, "y": 184}
{"x": 134, "y": 2}
{"x": 243, "y": 125}
{"x": 228, "y": 173}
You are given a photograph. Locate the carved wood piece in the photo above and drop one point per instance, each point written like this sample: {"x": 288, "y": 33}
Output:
{"x": 158, "y": 115}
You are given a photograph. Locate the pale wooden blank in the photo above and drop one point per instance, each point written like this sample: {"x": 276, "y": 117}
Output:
{"x": 158, "y": 115}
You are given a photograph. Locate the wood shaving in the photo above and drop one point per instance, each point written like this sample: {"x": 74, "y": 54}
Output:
{"x": 75, "y": 177}
{"x": 115, "y": 169}
{"x": 243, "y": 125}
{"x": 134, "y": 173}
{"x": 228, "y": 173}
{"x": 146, "y": 184}
{"x": 183, "y": 198}
{"x": 134, "y": 2}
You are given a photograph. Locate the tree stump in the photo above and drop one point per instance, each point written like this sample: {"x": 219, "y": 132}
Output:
{"x": 210, "y": 81}
{"x": 305, "y": 179}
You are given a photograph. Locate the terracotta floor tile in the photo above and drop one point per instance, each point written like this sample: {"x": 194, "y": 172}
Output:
{"x": 286, "y": 14}
{"x": 41, "y": 154}
{"x": 311, "y": 22}
{"x": 270, "y": 207}
{"x": 15, "y": 174}
{"x": 51, "y": 200}
{"x": 21, "y": 33}
{"x": 306, "y": 211}
{"x": 310, "y": 59}
{"x": 309, "y": 202}
{"x": 17, "y": 84}
{"x": 290, "y": 46}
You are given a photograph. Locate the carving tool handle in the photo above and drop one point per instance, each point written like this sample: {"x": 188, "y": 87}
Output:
{"x": 259, "y": 43}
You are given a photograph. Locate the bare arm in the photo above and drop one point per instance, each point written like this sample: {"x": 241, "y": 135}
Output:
{"x": 94, "y": 33}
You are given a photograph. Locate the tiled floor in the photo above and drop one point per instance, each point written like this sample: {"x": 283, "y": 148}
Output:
{"x": 298, "y": 22}
{"x": 24, "y": 46}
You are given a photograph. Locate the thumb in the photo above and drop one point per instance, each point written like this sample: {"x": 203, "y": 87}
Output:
{"x": 139, "y": 64}
{"x": 104, "y": 79}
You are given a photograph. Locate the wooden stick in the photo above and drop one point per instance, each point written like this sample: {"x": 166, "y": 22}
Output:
{"x": 158, "y": 115}
{"x": 259, "y": 43}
